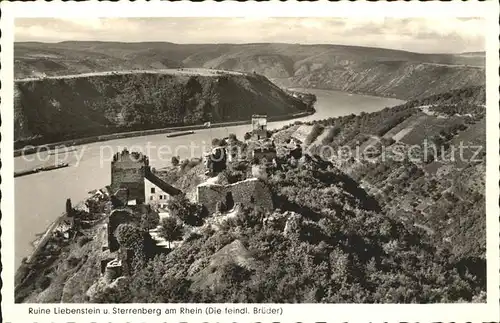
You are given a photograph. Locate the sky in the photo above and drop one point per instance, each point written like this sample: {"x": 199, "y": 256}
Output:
{"x": 443, "y": 35}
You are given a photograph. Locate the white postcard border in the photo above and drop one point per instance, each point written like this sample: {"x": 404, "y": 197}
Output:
{"x": 302, "y": 312}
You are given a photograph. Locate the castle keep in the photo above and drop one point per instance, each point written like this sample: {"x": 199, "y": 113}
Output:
{"x": 259, "y": 126}
{"x": 131, "y": 175}
{"x": 128, "y": 170}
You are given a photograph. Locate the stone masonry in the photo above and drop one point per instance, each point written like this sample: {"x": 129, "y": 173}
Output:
{"x": 250, "y": 192}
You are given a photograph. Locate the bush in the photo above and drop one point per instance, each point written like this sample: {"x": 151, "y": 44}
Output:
{"x": 232, "y": 137}
{"x": 184, "y": 164}
{"x": 69, "y": 208}
{"x": 193, "y": 163}
{"x": 150, "y": 220}
{"x": 216, "y": 142}
{"x": 241, "y": 166}
{"x": 190, "y": 213}
{"x": 43, "y": 282}
{"x": 233, "y": 176}
{"x": 332, "y": 133}
{"x": 72, "y": 262}
{"x": 128, "y": 236}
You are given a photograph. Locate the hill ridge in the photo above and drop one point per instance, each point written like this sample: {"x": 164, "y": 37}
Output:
{"x": 378, "y": 71}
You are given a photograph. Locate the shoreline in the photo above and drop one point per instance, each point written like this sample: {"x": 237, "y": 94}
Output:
{"x": 40, "y": 242}
{"x": 31, "y": 149}
{"x": 44, "y": 236}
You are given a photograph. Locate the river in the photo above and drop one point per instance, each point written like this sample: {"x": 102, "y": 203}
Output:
{"x": 40, "y": 198}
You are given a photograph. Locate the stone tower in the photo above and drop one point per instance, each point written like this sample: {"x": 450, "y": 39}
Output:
{"x": 128, "y": 170}
{"x": 259, "y": 126}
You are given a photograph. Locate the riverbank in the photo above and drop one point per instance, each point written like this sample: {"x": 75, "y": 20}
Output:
{"x": 28, "y": 150}
{"x": 46, "y": 188}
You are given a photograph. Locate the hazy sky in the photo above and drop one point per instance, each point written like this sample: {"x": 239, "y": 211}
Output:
{"x": 413, "y": 34}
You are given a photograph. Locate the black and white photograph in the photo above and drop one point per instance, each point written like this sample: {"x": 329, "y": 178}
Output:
{"x": 249, "y": 160}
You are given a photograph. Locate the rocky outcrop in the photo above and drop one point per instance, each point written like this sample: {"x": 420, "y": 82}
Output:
{"x": 233, "y": 254}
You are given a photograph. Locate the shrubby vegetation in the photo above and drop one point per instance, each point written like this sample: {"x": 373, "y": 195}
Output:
{"x": 433, "y": 195}
{"x": 383, "y": 231}
{"x": 340, "y": 248}
{"x": 190, "y": 213}
{"x": 171, "y": 229}
{"x": 315, "y": 132}
{"x": 128, "y": 236}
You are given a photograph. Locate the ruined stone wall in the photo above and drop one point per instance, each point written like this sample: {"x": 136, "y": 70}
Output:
{"x": 209, "y": 195}
{"x": 250, "y": 192}
{"x": 113, "y": 270}
{"x": 268, "y": 154}
{"x": 128, "y": 171}
{"x": 259, "y": 126}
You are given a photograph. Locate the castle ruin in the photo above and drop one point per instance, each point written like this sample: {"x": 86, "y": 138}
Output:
{"x": 128, "y": 170}
{"x": 259, "y": 126}
{"x": 129, "y": 173}
{"x": 249, "y": 192}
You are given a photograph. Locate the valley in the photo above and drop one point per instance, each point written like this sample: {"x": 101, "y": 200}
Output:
{"x": 372, "y": 198}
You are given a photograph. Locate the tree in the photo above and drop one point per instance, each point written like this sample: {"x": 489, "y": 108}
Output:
{"x": 175, "y": 161}
{"x": 171, "y": 229}
{"x": 129, "y": 236}
{"x": 190, "y": 213}
{"x": 216, "y": 142}
{"x": 150, "y": 219}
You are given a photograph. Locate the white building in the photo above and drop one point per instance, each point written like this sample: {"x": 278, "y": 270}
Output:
{"x": 155, "y": 196}
{"x": 157, "y": 192}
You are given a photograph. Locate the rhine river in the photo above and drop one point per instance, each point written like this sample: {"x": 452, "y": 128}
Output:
{"x": 40, "y": 198}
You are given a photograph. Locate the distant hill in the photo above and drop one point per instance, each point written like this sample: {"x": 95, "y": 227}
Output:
{"x": 61, "y": 108}
{"x": 376, "y": 71}
{"x": 413, "y": 166}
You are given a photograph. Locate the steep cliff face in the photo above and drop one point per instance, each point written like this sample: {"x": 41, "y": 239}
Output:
{"x": 53, "y": 109}
{"x": 375, "y": 71}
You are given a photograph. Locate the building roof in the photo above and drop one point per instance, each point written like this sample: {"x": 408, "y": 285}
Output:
{"x": 164, "y": 186}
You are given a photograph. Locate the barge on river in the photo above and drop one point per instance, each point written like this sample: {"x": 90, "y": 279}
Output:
{"x": 178, "y": 134}
{"x": 40, "y": 169}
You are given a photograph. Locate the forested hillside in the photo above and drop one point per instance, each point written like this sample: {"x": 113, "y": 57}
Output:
{"x": 327, "y": 241}
{"x": 54, "y": 109}
{"x": 393, "y": 223}
{"x": 423, "y": 161}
